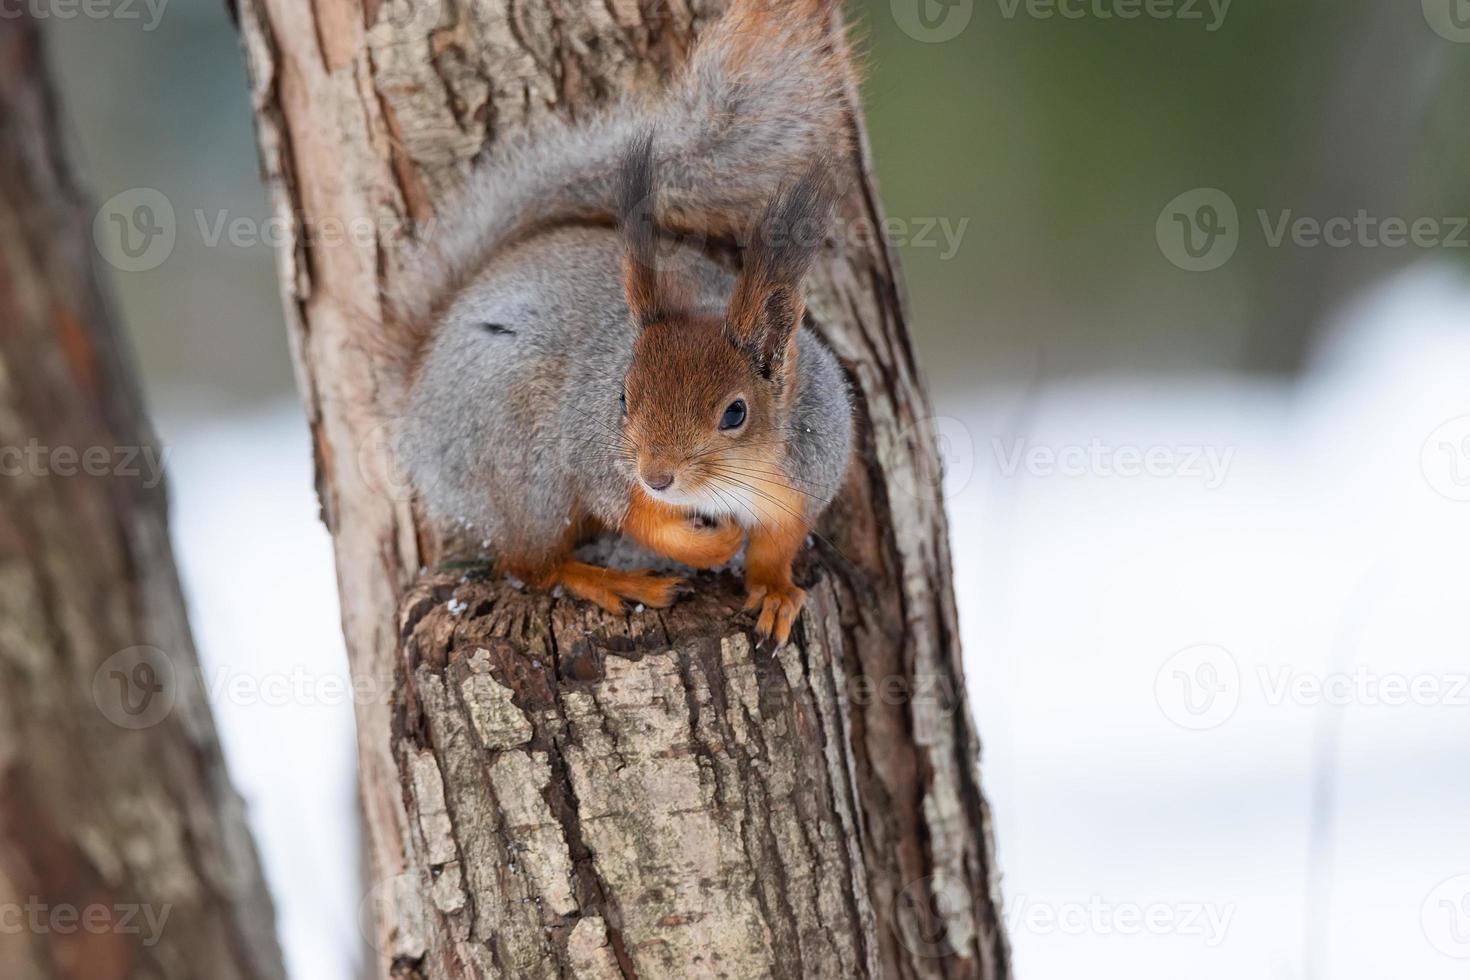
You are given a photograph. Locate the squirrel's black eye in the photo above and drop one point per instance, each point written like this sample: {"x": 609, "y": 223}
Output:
{"x": 623, "y": 401}
{"x": 734, "y": 416}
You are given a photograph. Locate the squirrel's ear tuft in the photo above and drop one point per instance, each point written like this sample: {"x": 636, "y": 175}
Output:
{"x": 651, "y": 297}
{"x": 767, "y": 304}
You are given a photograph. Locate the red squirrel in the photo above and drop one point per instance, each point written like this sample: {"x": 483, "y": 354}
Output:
{"x": 568, "y": 368}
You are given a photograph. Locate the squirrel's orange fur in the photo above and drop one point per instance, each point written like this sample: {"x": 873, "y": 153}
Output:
{"x": 671, "y": 532}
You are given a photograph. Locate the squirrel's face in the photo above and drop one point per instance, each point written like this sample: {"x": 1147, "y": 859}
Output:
{"x": 702, "y": 427}
{"x": 706, "y": 402}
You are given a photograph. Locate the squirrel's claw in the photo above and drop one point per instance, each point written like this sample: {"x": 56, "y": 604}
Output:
{"x": 779, "y": 607}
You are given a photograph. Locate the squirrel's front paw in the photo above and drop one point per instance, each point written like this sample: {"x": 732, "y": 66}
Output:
{"x": 710, "y": 545}
{"x": 779, "y": 606}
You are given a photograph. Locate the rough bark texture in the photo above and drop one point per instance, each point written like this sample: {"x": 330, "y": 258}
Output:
{"x": 558, "y": 792}
{"x": 123, "y": 850}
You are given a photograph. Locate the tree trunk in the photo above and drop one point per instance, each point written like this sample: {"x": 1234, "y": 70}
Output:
{"x": 553, "y": 791}
{"x": 123, "y": 849}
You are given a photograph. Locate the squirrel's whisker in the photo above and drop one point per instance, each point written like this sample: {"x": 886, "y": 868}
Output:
{"x": 775, "y": 483}
{"x": 742, "y": 466}
{"x": 733, "y": 480}
{"x": 761, "y": 493}
{"x": 730, "y": 501}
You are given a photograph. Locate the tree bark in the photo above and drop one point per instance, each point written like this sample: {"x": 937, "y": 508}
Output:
{"x": 553, "y": 791}
{"x": 123, "y": 849}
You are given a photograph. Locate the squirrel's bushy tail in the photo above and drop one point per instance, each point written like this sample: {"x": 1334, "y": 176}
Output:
{"x": 763, "y": 96}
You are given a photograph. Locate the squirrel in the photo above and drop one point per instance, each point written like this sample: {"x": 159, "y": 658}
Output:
{"x": 568, "y": 369}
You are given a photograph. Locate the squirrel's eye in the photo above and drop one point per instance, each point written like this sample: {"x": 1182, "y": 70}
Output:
{"x": 623, "y": 401}
{"x": 734, "y": 416}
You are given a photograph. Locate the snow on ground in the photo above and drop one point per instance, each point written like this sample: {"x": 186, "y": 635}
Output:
{"x": 1214, "y": 630}
{"x": 1175, "y": 671}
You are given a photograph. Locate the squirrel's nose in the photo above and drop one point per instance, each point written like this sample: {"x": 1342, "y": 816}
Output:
{"x": 659, "y": 480}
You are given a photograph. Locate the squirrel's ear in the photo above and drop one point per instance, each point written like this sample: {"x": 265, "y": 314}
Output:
{"x": 767, "y": 304}
{"x": 651, "y": 296}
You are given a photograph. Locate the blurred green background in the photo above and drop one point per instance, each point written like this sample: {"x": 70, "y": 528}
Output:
{"x": 1064, "y": 139}
{"x": 1052, "y": 142}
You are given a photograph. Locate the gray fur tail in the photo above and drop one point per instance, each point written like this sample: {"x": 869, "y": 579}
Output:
{"x": 763, "y": 96}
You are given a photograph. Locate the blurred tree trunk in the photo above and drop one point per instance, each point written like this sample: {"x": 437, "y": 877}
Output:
{"x": 552, "y": 791}
{"x": 123, "y": 849}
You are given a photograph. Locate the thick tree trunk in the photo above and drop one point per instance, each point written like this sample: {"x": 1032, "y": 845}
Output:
{"x": 557, "y": 792}
{"x": 123, "y": 850}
